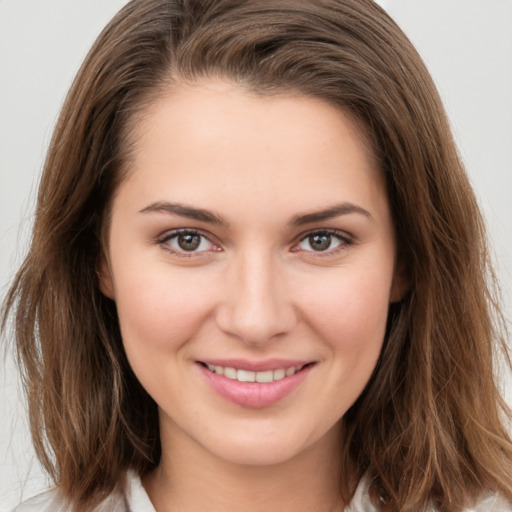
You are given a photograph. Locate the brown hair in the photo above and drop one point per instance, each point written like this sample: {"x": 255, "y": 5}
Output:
{"x": 430, "y": 425}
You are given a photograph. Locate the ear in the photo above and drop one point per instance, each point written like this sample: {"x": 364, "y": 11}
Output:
{"x": 105, "y": 281}
{"x": 401, "y": 283}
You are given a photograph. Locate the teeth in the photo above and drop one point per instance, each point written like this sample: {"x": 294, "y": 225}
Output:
{"x": 265, "y": 376}
{"x": 245, "y": 376}
{"x": 290, "y": 371}
{"x": 248, "y": 376}
{"x": 230, "y": 373}
{"x": 279, "y": 374}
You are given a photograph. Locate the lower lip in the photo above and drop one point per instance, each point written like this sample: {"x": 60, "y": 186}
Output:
{"x": 255, "y": 395}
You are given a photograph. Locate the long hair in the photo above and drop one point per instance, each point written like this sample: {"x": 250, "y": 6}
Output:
{"x": 430, "y": 427}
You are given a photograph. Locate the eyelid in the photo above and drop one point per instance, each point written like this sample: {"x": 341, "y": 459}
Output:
{"x": 173, "y": 233}
{"x": 345, "y": 239}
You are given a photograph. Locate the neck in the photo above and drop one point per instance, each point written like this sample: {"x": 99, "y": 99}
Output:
{"x": 191, "y": 478}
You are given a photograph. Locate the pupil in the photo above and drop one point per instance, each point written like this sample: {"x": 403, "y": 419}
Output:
{"x": 189, "y": 241}
{"x": 320, "y": 242}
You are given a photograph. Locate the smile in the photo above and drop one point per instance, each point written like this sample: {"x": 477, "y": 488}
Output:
{"x": 249, "y": 376}
{"x": 264, "y": 385}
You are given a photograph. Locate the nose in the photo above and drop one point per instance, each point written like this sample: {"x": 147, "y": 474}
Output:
{"x": 256, "y": 307}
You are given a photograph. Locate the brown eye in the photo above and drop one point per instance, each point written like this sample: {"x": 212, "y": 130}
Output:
{"x": 188, "y": 241}
{"x": 320, "y": 241}
{"x": 324, "y": 241}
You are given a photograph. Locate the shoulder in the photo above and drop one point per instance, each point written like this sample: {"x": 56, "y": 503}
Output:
{"x": 51, "y": 501}
{"x": 492, "y": 502}
{"x": 135, "y": 500}
{"x": 44, "y": 502}
{"x": 361, "y": 502}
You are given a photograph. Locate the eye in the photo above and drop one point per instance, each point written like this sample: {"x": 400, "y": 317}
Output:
{"x": 323, "y": 241}
{"x": 186, "y": 242}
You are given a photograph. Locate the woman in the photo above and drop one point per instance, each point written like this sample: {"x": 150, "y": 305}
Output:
{"x": 258, "y": 276}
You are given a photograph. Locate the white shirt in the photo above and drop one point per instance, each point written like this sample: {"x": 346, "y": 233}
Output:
{"x": 137, "y": 500}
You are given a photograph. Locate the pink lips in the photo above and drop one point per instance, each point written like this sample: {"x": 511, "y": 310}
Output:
{"x": 255, "y": 394}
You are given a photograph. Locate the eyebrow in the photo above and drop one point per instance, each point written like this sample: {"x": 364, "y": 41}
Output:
{"x": 186, "y": 211}
{"x": 203, "y": 215}
{"x": 329, "y": 213}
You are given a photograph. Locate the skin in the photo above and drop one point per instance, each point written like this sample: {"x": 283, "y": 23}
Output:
{"x": 254, "y": 289}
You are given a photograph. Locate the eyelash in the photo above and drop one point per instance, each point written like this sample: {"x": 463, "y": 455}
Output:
{"x": 182, "y": 253}
{"x": 344, "y": 239}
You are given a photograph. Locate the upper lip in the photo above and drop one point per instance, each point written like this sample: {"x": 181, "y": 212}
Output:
{"x": 256, "y": 366}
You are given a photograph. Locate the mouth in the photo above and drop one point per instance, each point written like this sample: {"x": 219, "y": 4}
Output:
{"x": 262, "y": 377}
{"x": 265, "y": 385}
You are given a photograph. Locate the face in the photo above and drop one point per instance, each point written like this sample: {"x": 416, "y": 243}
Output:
{"x": 252, "y": 261}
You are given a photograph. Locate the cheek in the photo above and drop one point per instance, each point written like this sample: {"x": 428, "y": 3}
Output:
{"x": 350, "y": 312}
{"x": 160, "y": 312}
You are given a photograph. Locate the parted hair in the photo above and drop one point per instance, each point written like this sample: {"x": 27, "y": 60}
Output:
{"x": 430, "y": 426}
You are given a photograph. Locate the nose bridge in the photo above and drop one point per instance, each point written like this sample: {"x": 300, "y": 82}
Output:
{"x": 256, "y": 308}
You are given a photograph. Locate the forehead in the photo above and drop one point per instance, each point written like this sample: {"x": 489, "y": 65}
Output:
{"x": 214, "y": 139}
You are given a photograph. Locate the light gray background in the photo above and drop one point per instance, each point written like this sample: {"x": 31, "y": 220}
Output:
{"x": 467, "y": 44}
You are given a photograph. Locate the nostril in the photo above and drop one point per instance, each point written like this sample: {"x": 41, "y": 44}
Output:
{"x": 256, "y": 323}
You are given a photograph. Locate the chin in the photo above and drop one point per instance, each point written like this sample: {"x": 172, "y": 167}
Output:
{"x": 258, "y": 454}
{"x": 268, "y": 448}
